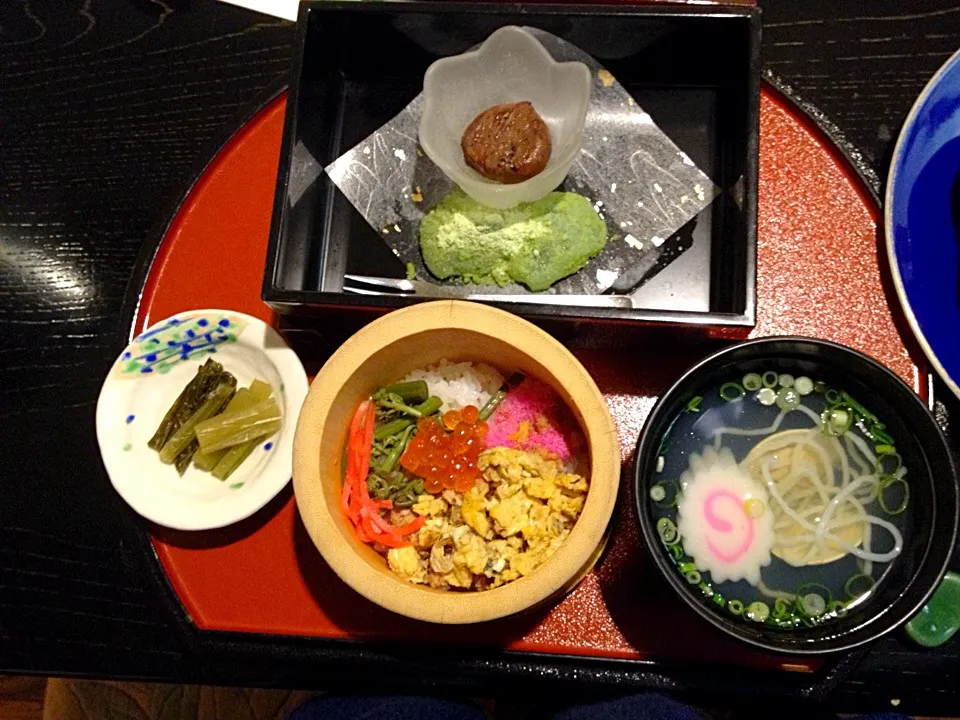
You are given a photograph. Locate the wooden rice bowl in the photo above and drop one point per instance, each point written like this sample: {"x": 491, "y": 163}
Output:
{"x": 386, "y": 350}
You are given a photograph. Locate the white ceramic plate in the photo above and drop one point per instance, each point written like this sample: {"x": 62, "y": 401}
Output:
{"x": 147, "y": 378}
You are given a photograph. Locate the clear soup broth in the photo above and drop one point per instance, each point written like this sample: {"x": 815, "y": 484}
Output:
{"x": 782, "y": 499}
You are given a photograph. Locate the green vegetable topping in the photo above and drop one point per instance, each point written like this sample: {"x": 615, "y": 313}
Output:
{"x": 694, "y": 405}
{"x": 757, "y": 611}
{"x": 731, "y": 392}
{"x": 804, "y": 385}
{"x": 891, "y": 482}
{"x": 752, "y": 382}
{"x": 858, "y": 585}
{"x": 766, "y": 396}
{"x": 787, "y": 398}
{"x": 668, "y": 532}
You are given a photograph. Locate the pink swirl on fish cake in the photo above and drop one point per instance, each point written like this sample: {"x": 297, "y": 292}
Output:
{"x": 721, "y": 525}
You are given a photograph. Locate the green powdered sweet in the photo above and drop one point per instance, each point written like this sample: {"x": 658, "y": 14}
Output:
{"x": 535, "y": 243}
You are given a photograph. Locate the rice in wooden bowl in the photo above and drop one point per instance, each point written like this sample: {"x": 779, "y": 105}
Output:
{"x": 420, "y": 337}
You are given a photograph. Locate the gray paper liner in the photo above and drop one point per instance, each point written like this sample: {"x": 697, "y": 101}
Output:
{"x": 641, "y": 184}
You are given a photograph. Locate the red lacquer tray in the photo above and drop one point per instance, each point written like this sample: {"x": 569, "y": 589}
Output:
{"x": 819, "y": 274}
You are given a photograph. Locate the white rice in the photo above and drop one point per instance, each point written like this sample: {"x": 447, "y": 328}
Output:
{"x": 460, "y": 384}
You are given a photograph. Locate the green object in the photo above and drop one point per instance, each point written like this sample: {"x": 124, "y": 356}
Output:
{"x": 694, "y": 405}
{"x": 770, "y": 379}
{"x": 731, "y": 392}
{"x": 190, "y": 398}
{"x": 411, "y": 272}
{"x": 757, "y": 611}
{"x": 939, "y": 619}
{"x": 787, "y": 398}
{"x": 752, "y": 381}
{"x": 498, "y": 397}
{"x": 836, "y": 421}
{"x": 212, "y": 404}
{"x": 858, "y": 585}
{"x": 244, "y": 398}
{"x": 411, "y": 392}
{"x": 233, "y": 457}
{"x": 396, "y": 451}
{"x": 237, "y": 427}
{"x": 535, "y": 243}
{"x": 206, "y": 462}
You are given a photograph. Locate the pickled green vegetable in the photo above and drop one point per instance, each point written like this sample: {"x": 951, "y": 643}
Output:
{"x": 234, "y": 456}
{"x": 189, "y": 400}
{"x": 238, "y": 427}
{"x": 243, "y": 398}
{"x": 182, "y": 461}
{"x": 260, "y": 390}
{"x": 215, "y": 401}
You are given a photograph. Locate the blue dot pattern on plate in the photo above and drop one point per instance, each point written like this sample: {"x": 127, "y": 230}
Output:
{"x": 268, "y": 446}
{"x": 129, "y": 419}
{"x": 160, "y": 349}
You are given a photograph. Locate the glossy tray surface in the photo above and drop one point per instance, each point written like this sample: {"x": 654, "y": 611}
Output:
{"x": 819, "y": 274}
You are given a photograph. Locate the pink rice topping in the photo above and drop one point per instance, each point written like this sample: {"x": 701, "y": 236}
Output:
{"x": 535, "y": 417}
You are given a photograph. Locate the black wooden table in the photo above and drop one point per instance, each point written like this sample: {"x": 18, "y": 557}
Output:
{"x": 108, "y": 109}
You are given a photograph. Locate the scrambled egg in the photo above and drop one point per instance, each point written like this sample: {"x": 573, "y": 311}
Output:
{"x": 516, "y": 517}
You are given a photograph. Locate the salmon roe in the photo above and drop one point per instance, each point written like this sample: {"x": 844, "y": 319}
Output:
{"x": 445, "y": 453}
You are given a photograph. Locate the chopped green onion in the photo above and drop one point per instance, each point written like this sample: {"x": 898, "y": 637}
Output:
{"x": 770, "y": 379}
{"x": 787, "y": 398}
{"x": 781, "y": 609}
{"x": 804, "y": 385}
{"x": 766, "y": 396}
{"x": 786, "y": 380}
{"x": 832, "y": 397}
{"x": 813, "y": 604}
{"x": 850, "y": 586}
{"x": 731, "y": 392}
{"x": 752, "y": 381}
{"x": 717, "y": 599}
{"x": 735, "y": 606}
{"x": 866, "y": 414}
{"x": 676, "y": 550}
{"x": 839, "y": 607}
{"x": 758, "y": 611}
{"x": 694, "y": 405}
{"x": 661, "y": 461}
{"x": 813, "y": 587}
{"x": 668, "y": 532}
{"x": 836, "y": 421}
{"x": 884, "y": 449}
{"x": 885, "y": 484}
{"x": 884, "y": 469}
{"x": 660, "y": 495}
{"x": 693, "y": 577}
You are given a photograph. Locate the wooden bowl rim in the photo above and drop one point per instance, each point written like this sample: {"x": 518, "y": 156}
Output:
{"x": 424, "y": 603}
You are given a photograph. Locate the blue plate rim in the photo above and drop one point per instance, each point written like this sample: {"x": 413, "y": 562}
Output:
{"x": 953, "y": 384}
